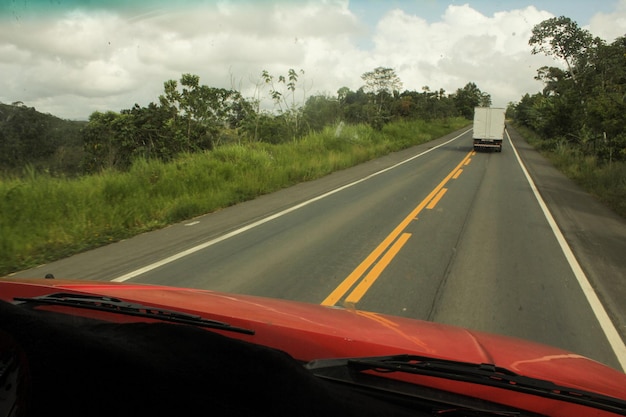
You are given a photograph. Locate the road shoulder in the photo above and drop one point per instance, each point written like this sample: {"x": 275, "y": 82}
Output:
{"x": 596, "y": 234}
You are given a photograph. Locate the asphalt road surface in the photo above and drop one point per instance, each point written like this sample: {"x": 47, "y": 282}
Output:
{"x": 437, "y": 232}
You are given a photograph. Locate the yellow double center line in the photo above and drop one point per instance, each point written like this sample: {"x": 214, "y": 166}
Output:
{"x": 388, "y": 249}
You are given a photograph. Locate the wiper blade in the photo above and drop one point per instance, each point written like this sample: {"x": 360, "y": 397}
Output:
{"x": 116, "y": 305}
{"x": 485, "y": 374}
{"x": 414, "y": 396}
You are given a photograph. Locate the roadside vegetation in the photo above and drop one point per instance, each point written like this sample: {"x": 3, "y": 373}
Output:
{"x": 578, "y": 121}
{"x": 605, "y": 181}
{"x": 43, "y": 217}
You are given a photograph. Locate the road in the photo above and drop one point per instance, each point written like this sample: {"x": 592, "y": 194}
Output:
{"x": 437, "y": 232}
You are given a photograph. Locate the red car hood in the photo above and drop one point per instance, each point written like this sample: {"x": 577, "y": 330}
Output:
{"x": 310, "y": 331}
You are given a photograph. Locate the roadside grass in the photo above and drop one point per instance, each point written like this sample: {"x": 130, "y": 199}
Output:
{"x": 607, "y": 182}
{"x": 43, "y": 218}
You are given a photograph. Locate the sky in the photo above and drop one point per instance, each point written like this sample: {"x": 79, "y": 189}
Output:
{"x": 71, "y": 58}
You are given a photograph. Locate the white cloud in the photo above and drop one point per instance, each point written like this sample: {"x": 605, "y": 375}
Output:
{"x": 78, "y": 61}
{"x": 465, "y": 46}
{"x": 609, "y": 26}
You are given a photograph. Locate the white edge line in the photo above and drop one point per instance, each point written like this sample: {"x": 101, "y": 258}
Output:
{"x": 615, "y": 340}
{"x": 205, "y": 245}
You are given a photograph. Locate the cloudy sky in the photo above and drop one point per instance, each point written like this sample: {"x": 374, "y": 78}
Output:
{"x": 73, "y": 57}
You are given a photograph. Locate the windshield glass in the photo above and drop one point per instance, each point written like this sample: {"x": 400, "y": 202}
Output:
{"x": 457, "y": 163}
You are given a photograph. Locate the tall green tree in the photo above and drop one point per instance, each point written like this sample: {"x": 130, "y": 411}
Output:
{"x": 584, "y": 102}
{"x": 383, "y": 85}
{"x": 199, "y": 112}
{"x": 468, "y": 97}
{"x": 355, "y": 106}
{"x": 382, "y": 80}
{"x": 152, "y": 133}
{"x": 101, "y": 142}
{"x": 562, "y": 38}
{"x": 605, "y": 105}
{"x": 320, "y": 111}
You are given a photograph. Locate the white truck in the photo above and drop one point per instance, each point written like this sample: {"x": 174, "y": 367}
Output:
{"x": 488, "y": 128}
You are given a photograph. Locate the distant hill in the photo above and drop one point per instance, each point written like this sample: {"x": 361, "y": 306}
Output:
{"x": 44, "y": 141}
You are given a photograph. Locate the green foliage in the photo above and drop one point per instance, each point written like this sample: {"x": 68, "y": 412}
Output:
{"x": 270, "y": 129}
{"x": 190, "y": 117}
{"x": 199, "y": 112}
{"x": 41, "y": 140}
{"x": 425, "y": 105}
{"x": 355, "y": 106}
{"x": 607, "y": 181}
{"x": 468, "y": 97}
{"x": 563, "y": 38}
{"x": 44, "y": 218}
{"x": 320, "y": 111}
{"x": 289, "y": 113}
{"x": 583, "y": 106}
{"x": 383, "y": 86}
{"x": 382, "y": 80}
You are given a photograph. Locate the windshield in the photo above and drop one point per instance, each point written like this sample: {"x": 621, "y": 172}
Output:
{"x": 455, "y": 163}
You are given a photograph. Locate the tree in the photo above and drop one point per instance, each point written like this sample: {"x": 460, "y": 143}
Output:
{"x": 605, "y": 104}
{"x": 101, "y": 142}
{"x": 200, "y": 112}
{"x": 342, "y": 94}
{"x": 383, "y": 84}
{"x": 152, "y": 135}
{"x": 585, "y": 102}
{"x": 382, "y": 80}
{"x": 563, "y": 38}
{"x": 427, "y": 104}
{"x": 288, "y": 106}
{"x": 468, "y": 97}
{"x": 189, "y": 117}
{"x": 284, "y": 100}
{"x": 354, "y": 105}
{"x": 320, "y": 111}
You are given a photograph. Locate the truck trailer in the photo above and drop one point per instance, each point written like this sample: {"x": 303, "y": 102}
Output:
{"x": 488, "y": 128}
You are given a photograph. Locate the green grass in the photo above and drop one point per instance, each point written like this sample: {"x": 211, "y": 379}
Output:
{"x": 606, "y": 181}
{"x": 43, "y": 218}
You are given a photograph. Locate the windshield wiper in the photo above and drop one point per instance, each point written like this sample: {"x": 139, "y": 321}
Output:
{"x": 115, "y": 305}
{"x": 485, "y": 374}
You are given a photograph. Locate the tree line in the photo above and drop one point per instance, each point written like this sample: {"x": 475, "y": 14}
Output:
{"x": 192, "y": 117}
{"x": 583, "y": 102}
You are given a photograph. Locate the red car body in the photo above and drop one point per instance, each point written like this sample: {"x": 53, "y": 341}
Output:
{"x": 309, "y": 331}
